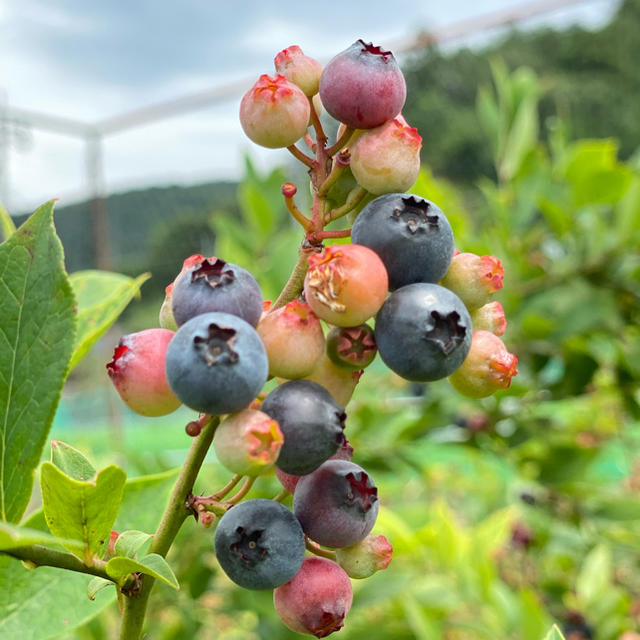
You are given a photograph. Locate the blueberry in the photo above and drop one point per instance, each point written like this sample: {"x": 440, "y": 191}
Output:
{"x": 410, "y": 234}
{"x": 337, "y": 504}
{"x": 311, "y": 421}
{"x": 259, "y": 544}
{"x": 423, "y": 332}
{"x": 212, "y": 284}
{"x": 216, "y": 363}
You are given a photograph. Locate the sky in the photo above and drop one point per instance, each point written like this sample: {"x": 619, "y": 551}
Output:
{"x": 89, "y": 61}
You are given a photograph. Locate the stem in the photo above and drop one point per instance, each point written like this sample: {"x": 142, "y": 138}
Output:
{"x": 248, "y": 483}
{"x": 341, "y": 141}
{"x": 317, "y": 550}
{"x": 44, "y": 557}
{"x": 305, "y": 223}
{"x": 310, "y": 142}
{"x": 303, "y": 157}
{"x": 218, "y": 495}
{"x": 282, "y": 496}
{"x": 174, "y": 515}
{"x": 353, "y": 200}
{"x": 332, "y": 178}
{"x": 321, "y": 136}
{"x": 319, "y": 236}
{"x": 296, "y": 280}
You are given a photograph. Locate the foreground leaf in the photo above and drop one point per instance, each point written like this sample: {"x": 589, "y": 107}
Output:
{"x": 97, "y": 584}
{"x": 7, "y": 227}
{"x": 102, "y": 296}
{"x": 36, "y": 341}
{"x": 151, "y": 565}
{"x": 129, "y": 543}
{"x": 70, "y": 461}
{"x": 554, "y": 634}
{"x": 12, "y": 536}
{"x": 82, "y": 511}
{"x": 47, "y": 602}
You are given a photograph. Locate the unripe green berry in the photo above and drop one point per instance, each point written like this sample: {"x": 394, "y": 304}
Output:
{"x": 365, "y": 558}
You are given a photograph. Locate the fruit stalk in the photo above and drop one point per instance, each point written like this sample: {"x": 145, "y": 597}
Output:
{"x": 174, "y": 515}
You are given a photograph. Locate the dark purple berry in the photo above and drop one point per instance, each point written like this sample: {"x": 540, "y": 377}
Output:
{"x": 423, "y": 332}
{"x": 311, "y": 421}
{"x": 337, "y": 504}
{"x": 259, "y": 544}
{"x": 216, "y": 363}
{"x": 410, "y": 234}
{"x": 212, "y": 284}
{"x": 363, "y": 86}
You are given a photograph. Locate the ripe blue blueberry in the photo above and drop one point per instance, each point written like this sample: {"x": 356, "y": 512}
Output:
{"x": 410, "y": 234}
{"x": 423, "y": 332}
{"x": 337, "y": 504}
{"x": 259, "y": 544}
{"x": 216, "y": 363}
{"x": 311, "y": 421}
{"x": 212, "y": 284}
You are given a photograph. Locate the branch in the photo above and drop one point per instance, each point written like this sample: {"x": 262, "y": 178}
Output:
{"x": 45, "y": 557}
{"x": 175, "y": 514}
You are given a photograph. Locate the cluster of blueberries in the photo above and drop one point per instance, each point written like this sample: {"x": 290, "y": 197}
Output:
{"x": 219, "y": 343}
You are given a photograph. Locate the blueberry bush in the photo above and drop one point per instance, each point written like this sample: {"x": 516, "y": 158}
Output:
{"x": 477, "y": 526}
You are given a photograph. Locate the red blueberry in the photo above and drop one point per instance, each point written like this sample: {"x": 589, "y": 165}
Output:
{"x": 487, "y": 368}
{"x": 274, "y": 112}
{"x": 363, "y": 86}
{"x": 474, "y": 279}
{"x": 137, "y": 371}
{"x": 346, "y": 284}
{"x": 387, "y": 159}
{"x": 316, "y": 600}
{"x": 293, "y": 338}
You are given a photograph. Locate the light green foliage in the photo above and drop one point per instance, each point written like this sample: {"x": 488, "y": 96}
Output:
{"x": 37, "y": 606}
{"x": 7, "y": 226}
{"x": 36, "y": 339}
{"x": 554, "y": 634}
{"x": 152, "y": 565}
{"x": 82, "y": 510}
{"x": 101, "y": 297}
{"x": 70, "y": 461}
{"x": 263, "y": 238}
{"x": 12, "y": 536}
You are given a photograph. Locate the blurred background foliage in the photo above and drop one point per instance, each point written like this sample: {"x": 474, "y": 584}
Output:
{"x": 509, "y": 513}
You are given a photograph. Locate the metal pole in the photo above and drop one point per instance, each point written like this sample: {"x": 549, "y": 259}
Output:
{"x": 98, "y": 213}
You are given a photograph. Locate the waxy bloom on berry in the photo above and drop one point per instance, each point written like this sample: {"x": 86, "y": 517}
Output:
{"x": 387, "y": 159}
{"x": 474, "y": 278}
{"x": 274, "y": 112}
{"x": 346, "y": 284}
{"x": 488, "y": 367}
{"x": 248, "y": 442}
{"x": 300, "y": 69}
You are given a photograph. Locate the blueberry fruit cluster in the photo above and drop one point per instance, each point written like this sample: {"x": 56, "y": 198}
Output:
{"x": 399, "y": 287}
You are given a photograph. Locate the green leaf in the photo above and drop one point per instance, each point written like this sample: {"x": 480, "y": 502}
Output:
{"x": 82, "y": 511}
{"x": 47, "y": 602}
{"x": 554, "y": 634}
{"x": 7, "y": 227}
{"x": 151, "y": 565}
{"x": 594, "y": 579}
{"x": 36, "y": 340}
{"x": 97, "y": 584}
{"x": 12, "y": 536}
{"x": 101, "y": 298}
{"x": 70, "y": 461}
{"x": 129, "y": 543}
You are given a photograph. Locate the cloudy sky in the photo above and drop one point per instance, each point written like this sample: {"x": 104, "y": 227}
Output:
{"x": 89, "y": 61}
